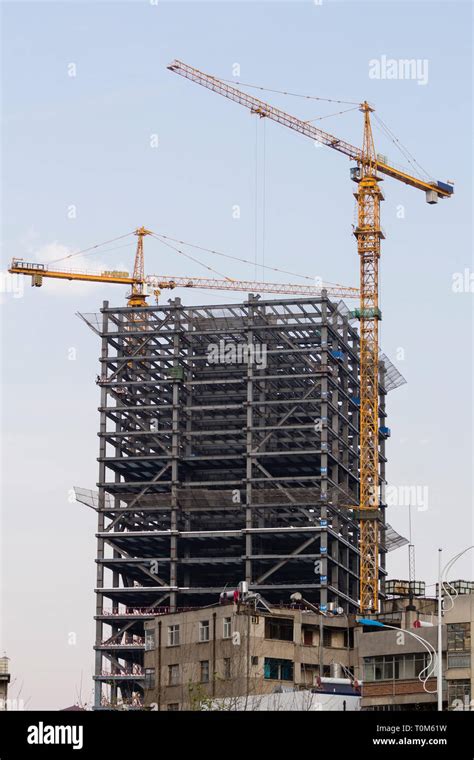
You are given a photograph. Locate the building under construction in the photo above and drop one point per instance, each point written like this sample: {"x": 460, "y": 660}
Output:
{"x": 228, "y": 452}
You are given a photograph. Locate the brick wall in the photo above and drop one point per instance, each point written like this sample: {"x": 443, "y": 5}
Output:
{"x": 391, "y": 688}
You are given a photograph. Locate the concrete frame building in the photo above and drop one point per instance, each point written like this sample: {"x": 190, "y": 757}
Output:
{"x": 228, "y": 452}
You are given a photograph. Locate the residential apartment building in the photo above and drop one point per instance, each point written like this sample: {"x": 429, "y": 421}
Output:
{"x": 231, "y": 651}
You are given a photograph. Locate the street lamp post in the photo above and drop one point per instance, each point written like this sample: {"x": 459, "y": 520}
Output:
{"x": 439, "y": 677}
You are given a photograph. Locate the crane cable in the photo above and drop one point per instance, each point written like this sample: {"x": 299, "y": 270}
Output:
{"x": 328, "y": 116}
{"x": 188, "y": 256}
{"x": 402, "y": 148}
{"x": 292, "y": 94}
{"x": 264, "y": 190}
{"x": 262, "y": 194}
{"x": 93, "y": 248}
{"x": 256, "y": 198}
{"x": 405, "y": 152}
{"x": 160, "y": 235}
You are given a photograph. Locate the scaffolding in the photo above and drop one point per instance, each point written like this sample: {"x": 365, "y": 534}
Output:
{"x": 228, "y": 452}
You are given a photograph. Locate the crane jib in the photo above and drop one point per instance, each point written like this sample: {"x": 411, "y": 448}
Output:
{"x": 265, "y": 110}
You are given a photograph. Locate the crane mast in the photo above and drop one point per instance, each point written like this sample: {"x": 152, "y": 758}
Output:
{"x": 368, "y": 234}
{"x": 137, "y": 296}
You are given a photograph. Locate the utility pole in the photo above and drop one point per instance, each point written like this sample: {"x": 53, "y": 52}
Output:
{"x": 439, "y": 680}
{"x": 321, "y": 645}
{"x": 248, "y": 652}
{"x": 411, "y": 565}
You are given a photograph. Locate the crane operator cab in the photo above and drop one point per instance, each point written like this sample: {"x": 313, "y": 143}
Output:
{"x": 35, "y": 269}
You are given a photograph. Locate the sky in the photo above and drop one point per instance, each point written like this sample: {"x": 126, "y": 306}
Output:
{"x": 98, "y": 138}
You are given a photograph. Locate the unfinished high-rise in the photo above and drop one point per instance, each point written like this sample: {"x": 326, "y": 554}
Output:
{"x": 228, "y": 452}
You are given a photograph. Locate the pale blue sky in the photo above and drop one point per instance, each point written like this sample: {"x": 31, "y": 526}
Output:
{"x": 85, "y": 141}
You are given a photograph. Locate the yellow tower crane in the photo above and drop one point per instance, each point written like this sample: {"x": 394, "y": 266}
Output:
{"x": 368, "y": 234}
{"x": 139, "y": 282}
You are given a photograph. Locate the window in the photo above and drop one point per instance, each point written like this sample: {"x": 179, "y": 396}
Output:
{"x": 173, "y": 675}
{"x": 226, "y": 668}
{"x": 204, "y": 630}
{"x": 349, "y": 638}
{"x": 394, "y": 667}
{"x": 149, "y": 678}
{"x": 379, "y": 669}
{"x": 404, "y": 666}
{"x": 459, "y": 659}
{"x": 309, "y": 674}
{"x": 204, "y": 671}
{"x": 307, "y": 637}
{"x": 327, "y": 637}
{"x": 276, "y": 628}
{"x": 278, "y": 670}
{"x": 149, "y": 640}
{"x": 255, "y": 661}
{"x": 459, "y": 694}
{"x": 173, "y": 706}
{"x": 227, "y": 628}
{"x": 459, "y": 637}
{"x": 369, "y": 669}
{"x": 173, "y": 635}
